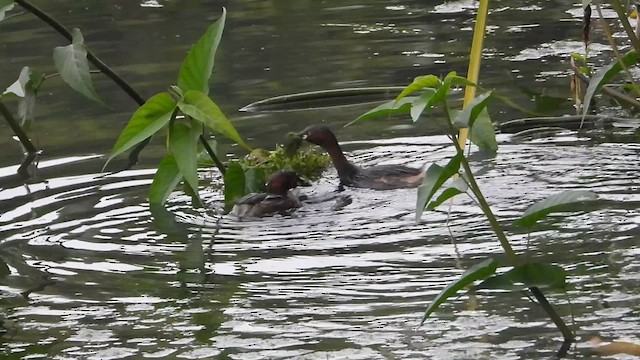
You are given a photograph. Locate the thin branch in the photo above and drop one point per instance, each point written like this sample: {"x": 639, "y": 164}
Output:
{"x": 611, "y": 92}
{"x": 22, "y": 136}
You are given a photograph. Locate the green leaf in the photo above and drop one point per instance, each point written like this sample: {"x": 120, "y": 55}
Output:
{"x": 18, "y": 88}
{"x": 183, "y": 145}
{"x": 570, "y": 200}
{"x": 434, "y": 178}
{"x": 234, "y": 183}
{"x": 469, "y": 114}
{"x": 419, "y": 83}
{"x": 458, "y": 186}
{"x": 254, "y": 179}
{"x": 5, "y": 5}
{"x": 423, "y": 101}
{"x": 71, "y": 62}
{"x": 521, "y": 277}
{"x": 387, "y": 109}
{"x": 606, "y": 73}
{"x": 483, "y": 132}
{"x": 165, "y": 180}
{"x": 201, "y": 108}
{"x": 146, "y": 121}
{"x": 197, "y": 66}
{"x": 476, "y": 272}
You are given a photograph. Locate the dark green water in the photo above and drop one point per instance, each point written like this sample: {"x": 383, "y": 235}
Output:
{"x": 109, "y": 280}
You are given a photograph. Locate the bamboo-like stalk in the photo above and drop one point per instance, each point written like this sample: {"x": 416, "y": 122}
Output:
{"x": 475, "y": 58}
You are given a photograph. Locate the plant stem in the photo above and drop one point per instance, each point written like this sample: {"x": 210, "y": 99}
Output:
{"x": 212, "y": 154}
{"x": 504, "y": 242}
{"x": 17, "y": 129}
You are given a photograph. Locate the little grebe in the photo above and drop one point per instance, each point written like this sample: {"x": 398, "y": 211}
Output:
{"x": 277, "y": 199}
{"x": 381, "y": 177}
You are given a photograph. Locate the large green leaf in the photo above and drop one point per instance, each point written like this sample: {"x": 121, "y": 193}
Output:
{"x": 419, "y": 83}
{"x": 570, "y": 200}
{"x": 5, "y": 5}
{"x": 469, "y": 114}
{"x": 201, "y": 108}
{"x": 234, "y": 183}
{"x": 73, "y": 66}
{"x": 146, "y": 121}
{"x": 521, "y": 277}
{"x": 606, "y": 73}
{"x": 458, "y": 186}
{"x": 197, "y": 66}
{"x": 483, "y": 132}
{"x": 476, "y": 272}
{"x": 423, "y": 102}
{"x": 434, "y": 178}
{"x": 165, "y": 180}
{"x": 387, "y": 109}
{"x": 183, "y": 145}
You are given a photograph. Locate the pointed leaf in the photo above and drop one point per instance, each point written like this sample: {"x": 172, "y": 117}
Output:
{"x": 570, "y": 200}
{"x": 197, "y": 66}
{"x": 483, "y": 133}
{"x": 183, "y": 145}
{"x": 234, "y": 183}
{"x": 476, "y": 272}
{"x": 606, "y": 73}
{"x": 433, "y": 180}
{"x": 423, "y": 102}
{"x": 458, "y": 186}
{"x": 540, "y": 275}
{"x": 201, "y": 108}
{"x": 387, "y": 109}
{"x": 18, "y": 88}
{"x": 165, "y": 180}
{"x": 5, "y": 5}
{"x": 419, "y": 83}
{"x": 468, "y": 115}
{"x": 71, "y": 62}
{"x": 146, "y": 121}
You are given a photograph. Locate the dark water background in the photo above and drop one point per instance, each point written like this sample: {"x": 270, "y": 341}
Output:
{"x": 110, "y": 280}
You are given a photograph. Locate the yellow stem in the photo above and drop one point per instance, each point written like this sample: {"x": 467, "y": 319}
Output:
{"x": 474, "y": 60}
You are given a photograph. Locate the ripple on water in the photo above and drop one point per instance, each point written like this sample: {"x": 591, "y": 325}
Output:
{"x": 319, "y": 283}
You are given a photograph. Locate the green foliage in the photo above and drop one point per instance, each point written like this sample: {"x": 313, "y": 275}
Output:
{"x": 388, "y": 108}
{"x": 309, "y": 163}
{"x": 197, "y": 66}
{"x": 521, "y": 277}
{"x": 458, "y": 186}
{"x": 165, "y": 180}
{"x": 434, "y": 178}
{"x": 71, "y": 62}
{"x": 234, "y": 183}
{"x": 190, "y": 98}
{"x": 570, "y": 200}
{"x": 183, "y": 145}
{"x": 200, "y": 107}
{"x": 479, "y": 271}
{"x": 604, "y": 75}
{"x": 146, "y": 121}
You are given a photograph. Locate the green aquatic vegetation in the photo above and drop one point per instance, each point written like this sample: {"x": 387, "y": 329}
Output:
{"x": 309, "y": 163}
